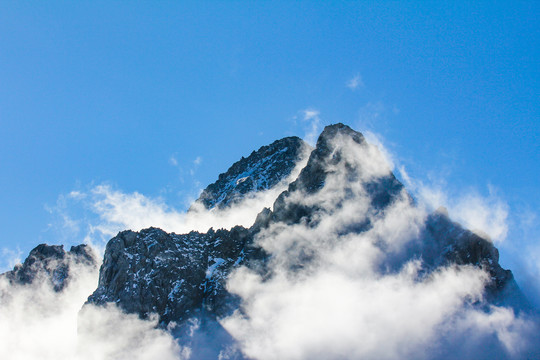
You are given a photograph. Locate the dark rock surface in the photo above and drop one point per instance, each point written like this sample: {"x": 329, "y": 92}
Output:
{"x": 261, "y": 170}
{"x": 445, "y": 242}
{"x": 52, "y": 263}
{"x": 176, "y": 276}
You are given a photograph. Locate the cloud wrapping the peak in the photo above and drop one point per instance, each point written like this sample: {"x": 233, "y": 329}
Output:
{"x": 112, "y": 210}
{"x": 330, "y": 293}
{"x": 485, "y": 215}
{"x": 345, "y": 284}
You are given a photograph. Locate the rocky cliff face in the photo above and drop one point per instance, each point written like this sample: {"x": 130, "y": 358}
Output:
{"x": 176, "y": 276}
{"x": 261, "y": 170}
{"x": 180, "y": 276}
{"x": 446, "y": 242}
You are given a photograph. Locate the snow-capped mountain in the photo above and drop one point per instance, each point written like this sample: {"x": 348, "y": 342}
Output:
{"x": 345, "y": 191}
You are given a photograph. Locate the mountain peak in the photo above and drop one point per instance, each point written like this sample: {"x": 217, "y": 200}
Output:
{"x": 330, "y": 132}
{"x": 261, "y": 170}
{"x": 334, "y": 134}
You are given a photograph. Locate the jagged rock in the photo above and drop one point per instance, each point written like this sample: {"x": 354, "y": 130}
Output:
{"x": 175, "y": 276}
{"x": 51, "y": 262}
{"x": 261, "y": 170}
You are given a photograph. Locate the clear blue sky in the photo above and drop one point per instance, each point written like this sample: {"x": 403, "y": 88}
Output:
{"x": 94, "y": 92}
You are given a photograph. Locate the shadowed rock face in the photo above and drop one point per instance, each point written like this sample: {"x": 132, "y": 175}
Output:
{"x": 183, "y": 276}
{"x": 261, "y": 170}
{"x": 446, "y": 242}
{"x": 51, "y": 262}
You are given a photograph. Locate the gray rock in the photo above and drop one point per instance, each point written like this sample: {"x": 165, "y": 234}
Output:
{"x": 261, "y": 170}
{"x": 175, "y": 276}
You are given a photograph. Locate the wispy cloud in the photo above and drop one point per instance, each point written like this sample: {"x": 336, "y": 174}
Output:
{"x": 173, "y": 161}
{"x": 10, "y": 258}
{"x": 355, "y": 82}
{"x": 485, "y": 215}
{"x": 371, "y": 114}
{"x": 311, "y": 117}
{"x": 198, "y": 160}
{"x": 104, "y": 211}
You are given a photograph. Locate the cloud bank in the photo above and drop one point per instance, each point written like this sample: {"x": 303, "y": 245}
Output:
{"x": 331, "y": 294}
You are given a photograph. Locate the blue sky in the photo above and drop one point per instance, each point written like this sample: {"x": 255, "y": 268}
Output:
{"x": 160, "y": 97}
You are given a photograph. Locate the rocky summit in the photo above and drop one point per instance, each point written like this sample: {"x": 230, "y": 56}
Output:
{"x": 181, "y": 277}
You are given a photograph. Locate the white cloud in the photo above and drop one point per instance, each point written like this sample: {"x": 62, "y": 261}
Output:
{"x": 332, "y": 294}
{"x": 76, "y": 195}
{"x": 10, "y": 257}
{"x": 355, "y": 82}
{"x": 173, "y": 161}
{"x": 370, "y": 115}
{"x": 39, "y": 323}
{"x": 487, "y": 215}
{"x": 133, "y": 338}
{"x": 114, "y": 211}
{"x": 330, "y": 315}
{"x": 198, "y": 160}
{"x": 311, "y": 117}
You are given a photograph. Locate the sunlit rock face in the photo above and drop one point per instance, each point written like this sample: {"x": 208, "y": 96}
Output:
{"x": 175, "y": 276}
{"x": 261, "y": 170}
